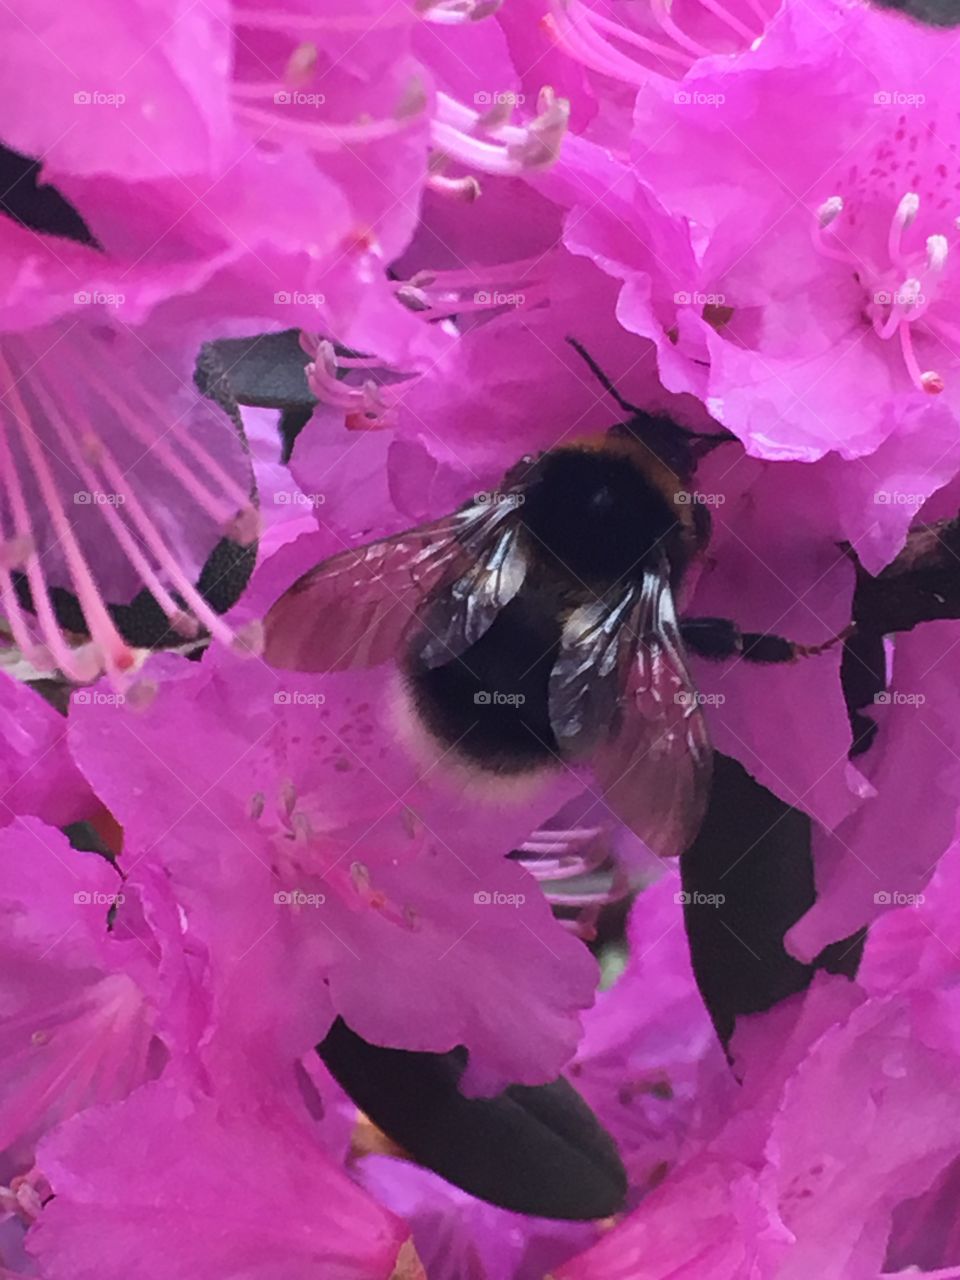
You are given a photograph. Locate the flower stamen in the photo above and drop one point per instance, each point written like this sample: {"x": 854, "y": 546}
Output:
{"x": 482, "y": 142}
{"x": 902, "y": 294}
{"x": 624, "y": 53}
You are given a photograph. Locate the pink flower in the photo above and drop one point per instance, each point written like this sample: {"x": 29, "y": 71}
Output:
{"x": 164, "y": 1184}
{"x": 649, "y": 1063}
{"x": 37, "y": 774}
{"x": 85, "y": 1012}
{"x": 457, "y": 1235}
{"x": 821, "y": 320}
{"x": 770, "y": 1192}
{"x": 118, "y": 482}
{"x": 337, "y": 873}
{"x": 880, "y": 855}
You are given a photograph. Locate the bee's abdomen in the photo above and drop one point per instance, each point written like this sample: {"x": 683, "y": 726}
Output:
{"x": 490, "y": 706}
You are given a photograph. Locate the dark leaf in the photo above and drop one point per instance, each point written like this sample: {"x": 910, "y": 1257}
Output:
{"x": 938, "y": 13}
{"x": 266, "y": 370}
{"x": 748, "y": 878}
{"x": 535, "y": 1150}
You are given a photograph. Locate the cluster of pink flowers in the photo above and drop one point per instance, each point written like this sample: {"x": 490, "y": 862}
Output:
{"x": 749, "y": 213}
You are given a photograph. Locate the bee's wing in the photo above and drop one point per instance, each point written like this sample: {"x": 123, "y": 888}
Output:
{"x": 621, "y": 695}
{"x": 355, "y": 609}
{"x": 464, "y": 609}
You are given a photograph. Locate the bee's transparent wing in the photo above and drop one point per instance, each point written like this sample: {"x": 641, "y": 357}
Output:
{"x": 586, "y": 679}
{"x": 464, "y": 609}
{"x": 357, "y": 608}
{"x": 621, "y": 696}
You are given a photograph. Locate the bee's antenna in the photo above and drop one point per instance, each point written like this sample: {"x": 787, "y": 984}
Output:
{"x": 701, "y": 442}
{"x": 602, "y": 378}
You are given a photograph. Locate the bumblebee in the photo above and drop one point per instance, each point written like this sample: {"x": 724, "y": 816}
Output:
{"x": 536, "y": 627}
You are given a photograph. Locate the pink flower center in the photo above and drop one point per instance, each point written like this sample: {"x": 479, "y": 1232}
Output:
{"x": 488, "y": 142}
{"x": 368, "y": 405}
{"x": 454, "y": 298}
{"x": 312, "y": 864}
{"x": 578, "y": 871}
{"x": 893, "y": 218}
{"x": 503, "y": 286}
{"x": 903, "y": 284}
{"x": 630, "y": 41}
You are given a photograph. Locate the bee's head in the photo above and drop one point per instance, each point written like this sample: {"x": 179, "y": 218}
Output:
{"x": 679, "y": 449}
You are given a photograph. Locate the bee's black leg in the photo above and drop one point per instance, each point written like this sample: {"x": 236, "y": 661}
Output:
{"x": 719, "y": 638}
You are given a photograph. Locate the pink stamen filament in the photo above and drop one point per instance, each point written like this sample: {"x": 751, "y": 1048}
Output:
{"x": 156, "y": 443}
{"x": 162, "y": 554}
{"x": 911, "y": 297}
{"x": 576, "y": 31}
{"x": 661, "y": 10}
{"x": 16, "y": 620}
{"x": 758, "y": 10}
{"x": 905, "y": 214}
{"x": 589, "y": 37}
{"x": 489, "y": 156}
{"x": 458, "y": 306}
{"x": 180, "y": 621}
{"x": 117, "y": 655}
{"x": 513, "y": 149}
{"x": 886, "y": 328}
{"x": 324, "y": 137}
{"x": 824, "y": 240}
{"x": 472, "y": 277}
{"x": 156, "y": 411}
{"x": 283, "y": 21}
{"x": 467, "y": 188}
{"x": 559, "y": 856}
{"x": 628, "y": 35}
{"x": 928, "y": 381}
{"x": 372, "y": 399}
{"x": 733, "y": 22}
